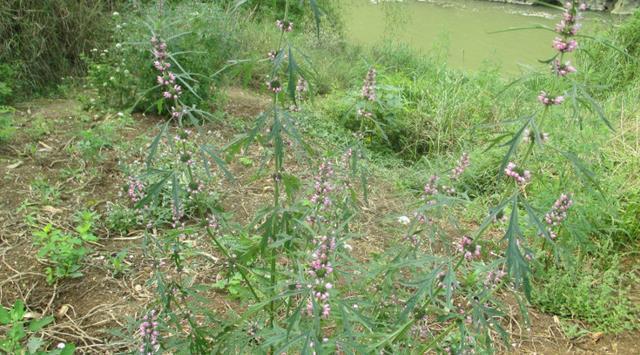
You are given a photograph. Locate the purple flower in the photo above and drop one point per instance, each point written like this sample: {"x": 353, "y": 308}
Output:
{"x": 284, "y": 26}
{"x": 323, "y": 186}
{"x": 463, "y": 163}
{"x": 494, "y": 277}
{"x": 431, "y": 187}
{"x": 135, "y": 190}
{"x": 558, "y": 213}
{"x": 148, "y": 330}
{"x": 564, "y": 45}
{"x": 212, "y": 222}
{"x": 562, "y": 69}
{"x": 521, "y": 177}
{"x": 364, "y": 113}
{"x": 369, "y": 86}
{"x": 529, "y": 136}
{"x": 547, "y": 100}
{"x": 468, "y": 248}
{"x": 320, "y": 268}
{"x": 274, "y": 85}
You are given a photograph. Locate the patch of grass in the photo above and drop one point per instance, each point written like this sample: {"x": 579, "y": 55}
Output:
{"x": 39, "y": 127}
{"x": 7, "y": 130}
{"x": 596, "y": 294}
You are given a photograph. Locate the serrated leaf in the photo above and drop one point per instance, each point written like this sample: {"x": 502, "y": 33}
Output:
{"x": 517, "y": 267}
{"x": 153, "y": 148}
{"x": 34, "y": 344}
{"x": 316, "y": 15}
{"x": 214, "y": 154}
{"x": 38, "y": 324}
{"x": 154, "y": 191}
{"x": 292, "y": 70}
{"x": 17, "y": 312}
{"x": 5, "y": 318}
{"x": 513, "y": 145}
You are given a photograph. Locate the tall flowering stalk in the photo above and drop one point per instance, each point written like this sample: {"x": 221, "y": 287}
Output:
{"x": 149, "y": 333}
{"x": 171, "y": 90}
{"x": 320, "y": 269}
{"x": 517, "y": 256}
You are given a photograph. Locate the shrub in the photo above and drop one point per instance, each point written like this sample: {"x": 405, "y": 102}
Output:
{"x": 42, "y": 40}
{"x": 200, "y": 38}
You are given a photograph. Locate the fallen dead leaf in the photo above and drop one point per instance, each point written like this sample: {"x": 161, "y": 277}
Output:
{"x": 14, "y": 165}
{"x": 51, "y": 209}
{"x": 595, "y": 337}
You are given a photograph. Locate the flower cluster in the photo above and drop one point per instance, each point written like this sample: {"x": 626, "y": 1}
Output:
{"x": 369, "y": 86}
{"x": 494, "y": 277}
{"x": 135, "y": 190}
{"x": 149, "y": 333}
{"x": 166, "y": 78}
{"x": 274, "y": 85}
{"x": 431, "y": 187}
{"x": 564, "y": 45}
{"x": 568, "y": 27}
{"x": 364, "y": 113}
{"x": 547, "y": 100}
{"x": 520, "y": 176}
{"x": 463, "y": 164}
{"x": 323, "y": 186}
{"x": 529, "y": 136}
{"x": 470, "y": 249}
{"x": 271, "y": 55}
{"x": 562, "y": 69}
{"x": 320, "y": 269}
{"x": 558, "y": 213}
{"x": 212, "y": 222}
{"x": 284, "y": 26}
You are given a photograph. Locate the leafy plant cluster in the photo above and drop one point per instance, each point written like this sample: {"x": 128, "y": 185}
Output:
{"x": 64, "y": 252}
{"x": 19, "y": 326}
{"x": 201, "y": 38}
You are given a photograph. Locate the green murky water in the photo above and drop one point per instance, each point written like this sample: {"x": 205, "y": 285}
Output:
{"x": 462, "y": 26}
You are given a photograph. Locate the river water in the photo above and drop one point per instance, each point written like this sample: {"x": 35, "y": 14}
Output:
{"x": 463, "y": 27}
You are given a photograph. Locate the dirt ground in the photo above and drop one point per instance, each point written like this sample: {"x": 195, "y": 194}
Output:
{"x": 88, "y": 308}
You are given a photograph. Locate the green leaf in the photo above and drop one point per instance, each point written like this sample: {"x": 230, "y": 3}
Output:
{"x": 5, "y": 318}
{"x": 513, "y": 145}
{"x": 316, "y": 15}
{"x": 516, "y": 264}
{"x": 17, "y": 331}
{"x": 291, "y": 184}
{"x": 68, "y": 349}
{"x": 215, "y": 155}
{"x": 292, "y": 70}
{"x": 585, "y": 174}
{"x": 153, "y": 148}
{"x": 17, "y": 312}
{"x": 154, "y": 191}
{"x": 34, "y": 344}
{"x": 392, "y": 336}
{"x": 595, "y": 106}
{"x": 38, "y": 324}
